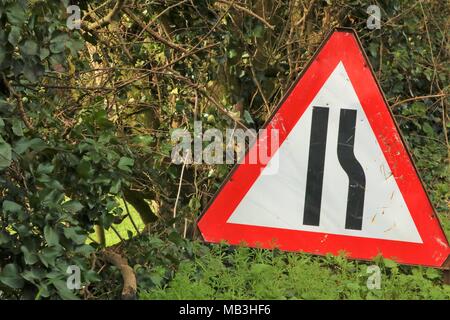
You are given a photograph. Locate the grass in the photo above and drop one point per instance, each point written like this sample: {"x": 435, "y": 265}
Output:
{"x": 260, "y": 274}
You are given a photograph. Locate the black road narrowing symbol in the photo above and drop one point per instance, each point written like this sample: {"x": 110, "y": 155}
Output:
{"x": 348, "y": 161}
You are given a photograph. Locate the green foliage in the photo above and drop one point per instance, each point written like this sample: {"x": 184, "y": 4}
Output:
{"x": 54, "y": 184}
{"x": 246, "y": 273}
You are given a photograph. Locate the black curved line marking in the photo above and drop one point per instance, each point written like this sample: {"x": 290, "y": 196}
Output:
{"x": 316, "y": 161}
{"x": 354, "y": 170}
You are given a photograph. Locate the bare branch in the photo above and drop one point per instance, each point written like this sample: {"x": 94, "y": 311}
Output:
{"x": 153, "y": 33}
{"x": 106, "y": 19}
{"x": 20, "y": 106}
{"x": 249, "y": 12}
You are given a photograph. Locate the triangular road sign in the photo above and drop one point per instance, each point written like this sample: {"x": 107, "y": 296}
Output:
{"x": 344, "y": 180}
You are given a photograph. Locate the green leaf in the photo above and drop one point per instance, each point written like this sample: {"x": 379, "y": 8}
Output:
{"x": 84, "y": 169}
{"x": 433, "y": 274}
{"x": 75, "y": 234}
{"x": 44, "y": 53}
{"x": 72, "y": 206}
{"x": 75, "y": 45}
{"x": 24, "y": 144}
{"x": 63, "y": 291}
{"x": 33, "y": 274}
{"x": 5, "y": 154}
{"x": 33, "y": 71}
{"x": 10, "y": 206}
{"x": 389, "y": 263}
{"x": 258, "y": 31}
{"x": 4, "y": 238}
{"x": 58, "y": 43}
{"x": 48, "y": 255}
{"x": 115, "y": 187}
{"x": 92, "y": 276}
{"x": 14, "y": 36}
{"x": 85, "y": 250}
{"x": 45, "y": 168}
{"x": 373, "y": 49}
{"x": 51, "y": 236}
{"x": 29, "y": 256}
{"x": 248, "y": 118}
{"x": 16, "y": 14}
{"x": 428, "y": 129}
{"x": 29, "y": 48}
{"x": 232, "y": 53}
{"x": 125, "y": 164}
{"x": 10, "y": 276}
{"x": 17, "y": 127}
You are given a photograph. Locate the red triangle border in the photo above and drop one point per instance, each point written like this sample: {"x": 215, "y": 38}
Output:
{"x": 341, "y": 45}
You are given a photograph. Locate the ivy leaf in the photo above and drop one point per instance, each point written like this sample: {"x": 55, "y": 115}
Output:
{"x": 115, "y": 187}
{"x": 58, "y": 43}
{"x": 33, "y": 274}
{"x": 44, "y": 53}
{"x": 75, "y": 235}
{"x": 84, "y": 169}
{"x": 74, "y": 46}
{"x": 72, "y": 206}
{"x": 24, "y": 143}
{"x": 29, "y": 48}
{"x": 17, "y": 127}
{"x": 29, "y": 257}
{"x": 51, "y": 236}
{"x": 85, "y": 250}
{"x": 45, "y": 168}
{"x": 5, "y": 154}
{"x": 63, "y": 291}
{"x": 33, "y": 71}
{"x": 10, "y": 206}
{"x": 125, "y": 164}
{"x": 10, "y": 276}
{"x": 14, "y": 36}
{"x": 4, "y": 238}
{"x": 49, "y": 255}
{"x": 16, "y": 14}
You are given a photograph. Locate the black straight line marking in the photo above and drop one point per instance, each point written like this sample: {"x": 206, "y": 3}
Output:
{"x": 354, "y": 170}
{"x": 316, "y": 162}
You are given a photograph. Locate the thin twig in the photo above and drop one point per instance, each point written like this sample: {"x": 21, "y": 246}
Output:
{"x": 419, "y": 98}
{"x": 151, "y": 22}
{"x": 258, "y": 85}
{"x": 129, "y": 216}
{"x": 20, "y": 106}
{"x": 249, "y": 12}
{"x": 153, "y": 33}
{"x": 117, "y": 233}
{"x": 179, "y": 189}
{"x": 106, "y": 19}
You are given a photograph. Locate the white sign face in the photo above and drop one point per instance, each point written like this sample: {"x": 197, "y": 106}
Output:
{"x": 278, "y": 199}
{"x": 340, "y": 181}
